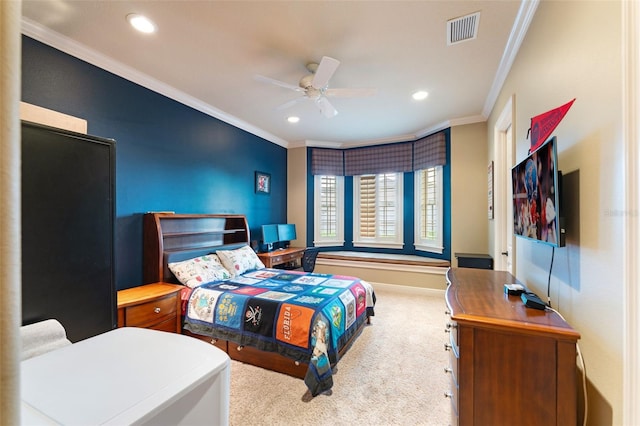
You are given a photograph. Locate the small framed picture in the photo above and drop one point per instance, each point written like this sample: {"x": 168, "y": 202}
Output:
{"x": 263, "y": 183}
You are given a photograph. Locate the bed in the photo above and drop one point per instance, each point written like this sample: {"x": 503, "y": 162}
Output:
{"x": 291, "y": 322}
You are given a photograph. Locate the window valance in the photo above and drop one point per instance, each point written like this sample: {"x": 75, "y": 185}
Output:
{"x": 401, "y": 157}
{"x": 430, "y": 151}
{"x": 327, "y": 162}
{"x": 394, "y": 158}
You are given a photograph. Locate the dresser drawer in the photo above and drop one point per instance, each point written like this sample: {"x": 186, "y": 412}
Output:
{"x": 452, "y": 329}
{"x": 288, "y": 257}
{"x": 153, "y": 312}
{"x": 453, "y": 366}
{"x": 275, "y": 260}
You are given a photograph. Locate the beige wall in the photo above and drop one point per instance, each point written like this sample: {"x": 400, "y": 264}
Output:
{"x": 297, "y": 193}
{"x": 572, "y": 50}
{"x": 469, "y": 185}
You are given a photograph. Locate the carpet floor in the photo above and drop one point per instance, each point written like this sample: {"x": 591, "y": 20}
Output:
{"x": 392, "y": 375}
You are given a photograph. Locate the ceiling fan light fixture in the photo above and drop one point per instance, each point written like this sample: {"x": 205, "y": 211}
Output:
{"x": 141, "y": 23}
{"x": 420, "y": 95}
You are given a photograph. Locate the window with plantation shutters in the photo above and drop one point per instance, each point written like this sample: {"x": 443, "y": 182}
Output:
{"x": 329, "y": 210}
{"x": 378, "y": 210}
{"x": 428, "y": 209}
{"x": 375, "y": 175}
{"x": 367, "y": 204}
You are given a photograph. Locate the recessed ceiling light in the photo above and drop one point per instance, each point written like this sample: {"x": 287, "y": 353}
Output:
{"x": 420, "y": 95}
{"x": 141, "y": 23}
{"x": 293, "y": 119}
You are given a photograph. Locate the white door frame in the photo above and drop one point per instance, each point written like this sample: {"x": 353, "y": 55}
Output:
{"x": 503, "y": 154}
{"x": 631, "y": 271}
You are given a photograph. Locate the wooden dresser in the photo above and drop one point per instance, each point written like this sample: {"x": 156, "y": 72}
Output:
{"x": 155, "y": 306}
{"x": 509, "y": 364}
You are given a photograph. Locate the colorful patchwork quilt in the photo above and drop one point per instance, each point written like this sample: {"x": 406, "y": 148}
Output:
{"x": 304, "y": 316}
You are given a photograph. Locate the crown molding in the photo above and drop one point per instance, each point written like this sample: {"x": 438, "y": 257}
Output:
{"x": 518, "y": 31}
{"x": 80, "y": 51}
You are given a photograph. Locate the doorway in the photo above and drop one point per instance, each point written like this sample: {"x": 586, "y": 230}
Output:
{"x": 504, "y": 247}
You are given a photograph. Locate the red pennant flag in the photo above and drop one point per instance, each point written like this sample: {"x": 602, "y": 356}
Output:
{"x": 542, "y": 125}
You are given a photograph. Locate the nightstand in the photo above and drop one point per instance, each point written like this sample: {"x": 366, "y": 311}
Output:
{"x": 155, "y": 306}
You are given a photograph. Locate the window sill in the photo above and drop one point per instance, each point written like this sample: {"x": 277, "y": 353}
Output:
{"x": 428, "y": 249}
{"x": 389, "y": 245}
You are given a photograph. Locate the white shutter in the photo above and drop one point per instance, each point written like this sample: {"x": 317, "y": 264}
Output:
{"x": 428, "y": 214}
{"x": 387, "y": 205}
{"x": 368, "y": 206}
{"x": 378, "y": 210}
{"x": 328, "y": 206}
{"x": 328, "y": 211}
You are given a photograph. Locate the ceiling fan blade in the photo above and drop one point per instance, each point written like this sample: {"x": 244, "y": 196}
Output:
{"x": 324, "y": 72}
{"x": 278, "y": 83}
{"x": 289, "y": 104}
{"x": 350, "y": 93}
{"x": 325, "y": 107}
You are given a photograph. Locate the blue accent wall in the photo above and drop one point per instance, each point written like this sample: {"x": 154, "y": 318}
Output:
{"x": 169, "y": 157}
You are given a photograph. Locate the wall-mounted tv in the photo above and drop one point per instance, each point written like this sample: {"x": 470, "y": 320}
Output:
{"x": 536, "y": 189}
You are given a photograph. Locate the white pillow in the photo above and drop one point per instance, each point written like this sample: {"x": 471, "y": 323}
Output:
{"x": 199, "y": 270}
{"x": 240, "y": 260}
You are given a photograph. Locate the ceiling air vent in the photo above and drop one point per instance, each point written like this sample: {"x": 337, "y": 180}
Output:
{"x": 463, "y": 28}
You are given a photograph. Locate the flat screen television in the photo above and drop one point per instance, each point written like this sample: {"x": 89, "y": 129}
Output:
{"x": 536, "y": 189}
{"x": 286, "y": 232}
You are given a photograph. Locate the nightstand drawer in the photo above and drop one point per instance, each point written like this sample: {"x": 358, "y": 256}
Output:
{"x": 168, "y": 324}
{"x": 151, "y": 312}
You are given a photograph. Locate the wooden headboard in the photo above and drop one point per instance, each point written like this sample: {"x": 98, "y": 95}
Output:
{"x": 172, "y": 237}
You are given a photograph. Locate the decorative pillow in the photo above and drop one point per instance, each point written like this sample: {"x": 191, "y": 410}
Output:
{"x": 240, "y": 260}
{"x": 199, "y": 270}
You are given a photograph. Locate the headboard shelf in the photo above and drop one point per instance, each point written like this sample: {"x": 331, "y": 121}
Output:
{"x": 173, "y": 237}
{"x": 186, "y": 234}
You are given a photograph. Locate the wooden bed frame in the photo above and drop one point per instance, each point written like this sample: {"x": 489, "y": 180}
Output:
{"x": 172, "y": 237}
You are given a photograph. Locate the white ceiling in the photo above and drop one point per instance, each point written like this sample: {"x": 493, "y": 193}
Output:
{"x": 206, "y": 54}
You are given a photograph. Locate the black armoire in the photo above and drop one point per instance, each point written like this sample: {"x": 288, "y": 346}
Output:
{"x": 68, "y": 228}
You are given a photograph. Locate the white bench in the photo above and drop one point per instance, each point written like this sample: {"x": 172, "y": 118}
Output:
{"x": 382, "y": 268}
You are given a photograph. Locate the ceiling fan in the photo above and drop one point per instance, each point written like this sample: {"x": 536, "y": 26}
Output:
{"x": 315, "y": 86}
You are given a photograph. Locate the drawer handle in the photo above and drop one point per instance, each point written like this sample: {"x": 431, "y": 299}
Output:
{"x": 448, "y": 395}
{"x": 447, "y": 346}
{"x": 213, "y": 341}
{"x": 239, "y": 348}
{"x": 156, "y": 310}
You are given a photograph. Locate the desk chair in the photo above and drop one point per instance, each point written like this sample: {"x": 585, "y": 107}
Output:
{"x": 309, "y": 259}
